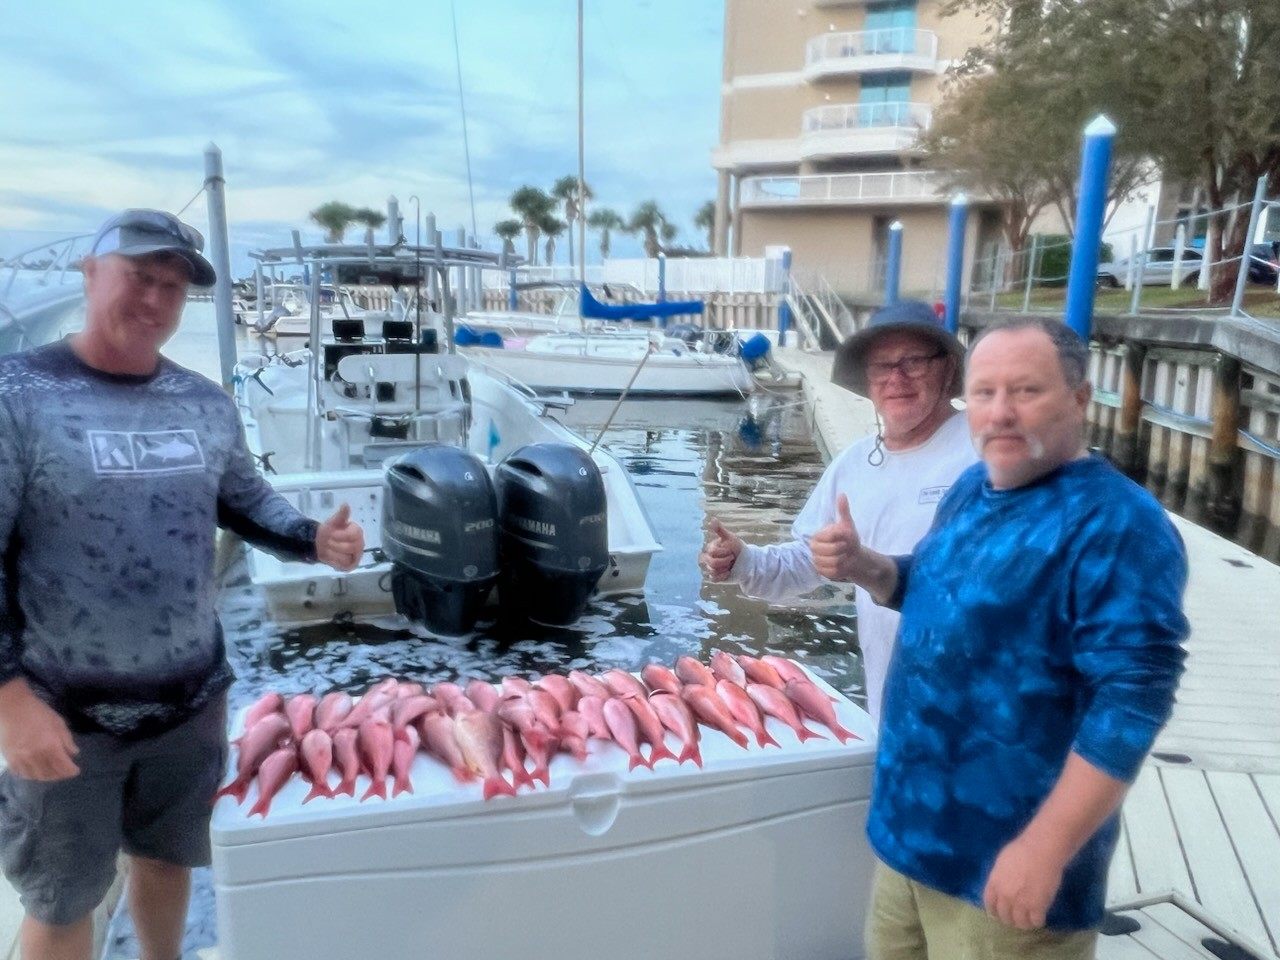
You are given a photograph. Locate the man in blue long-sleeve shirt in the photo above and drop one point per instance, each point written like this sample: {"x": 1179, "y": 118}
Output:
{"x": 1039, "y": 652}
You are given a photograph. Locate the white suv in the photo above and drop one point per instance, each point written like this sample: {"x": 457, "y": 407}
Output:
{"x": 1158, "y": 269}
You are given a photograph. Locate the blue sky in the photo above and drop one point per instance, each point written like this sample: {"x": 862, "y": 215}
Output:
{"x": 112, "y": 104}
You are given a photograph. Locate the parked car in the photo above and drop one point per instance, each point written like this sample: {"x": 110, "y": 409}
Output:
{"x": 1264, "y": 264}
{"x": 1157, "y": 271}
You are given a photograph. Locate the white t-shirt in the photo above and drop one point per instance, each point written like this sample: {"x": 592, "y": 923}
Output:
{"x": 892, "y": 504}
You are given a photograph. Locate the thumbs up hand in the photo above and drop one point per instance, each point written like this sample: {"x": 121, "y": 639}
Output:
{"x": 721, "y": 551}
{"x": 339, "y": 541}
{"x": 837, "y": 549}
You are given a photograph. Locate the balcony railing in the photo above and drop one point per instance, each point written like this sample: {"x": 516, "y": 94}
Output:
{"x": 894, "y": 48}
{"x": 859, "y": 116}
{"x": 842, "y": 188}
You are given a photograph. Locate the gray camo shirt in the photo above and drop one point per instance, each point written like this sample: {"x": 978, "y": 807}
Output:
{"x": 111, "y": 491}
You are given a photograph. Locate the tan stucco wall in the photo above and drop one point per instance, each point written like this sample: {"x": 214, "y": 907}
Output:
{"x": 838, "y": 243}
{"x": 768, "y": 36}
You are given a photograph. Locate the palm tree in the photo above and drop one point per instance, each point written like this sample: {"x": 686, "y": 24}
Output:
{"x": 532, "y": 206}
{"x": 507, "y": 231}
{"x": 667, "y": 233}
{"x": 605, "y": 220}
{"x": 335, "y": 217}
{"x": 370, "y": 218}
{"x": 551, "y": 227}
{"x": 566, "y": 190}
{"x": 705, "y": 219}
{"x": 648, "y": 219}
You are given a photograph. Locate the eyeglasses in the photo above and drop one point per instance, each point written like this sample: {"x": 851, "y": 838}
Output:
{"x": 913, "y": 368}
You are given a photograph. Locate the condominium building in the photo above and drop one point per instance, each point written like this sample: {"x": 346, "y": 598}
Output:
{"x": 822, "y": 105}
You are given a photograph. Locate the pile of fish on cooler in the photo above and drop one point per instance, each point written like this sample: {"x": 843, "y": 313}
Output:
{"x": 482, "y": 731}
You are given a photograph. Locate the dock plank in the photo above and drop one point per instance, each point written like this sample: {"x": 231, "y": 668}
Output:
{"x": 1216, "y": 871}
{"x": 1122, "y": 885}
{"x": 1158, "y": 861}
{"x": 1182, "y": 925}
{"x": 1165, "y": 943}
{"x": 1256, "y": 840}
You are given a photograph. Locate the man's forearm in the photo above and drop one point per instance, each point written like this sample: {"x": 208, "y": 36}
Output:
{"x": 1080, "y": 802}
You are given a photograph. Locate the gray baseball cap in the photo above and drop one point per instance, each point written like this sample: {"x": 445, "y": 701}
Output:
{"x": 135, "y": 233}
{"x": 849, "y": 370}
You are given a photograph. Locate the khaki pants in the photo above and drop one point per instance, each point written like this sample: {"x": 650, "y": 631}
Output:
{"x": 909, "y": 921}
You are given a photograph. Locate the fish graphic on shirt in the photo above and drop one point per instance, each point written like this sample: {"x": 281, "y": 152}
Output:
{"x": 170, "y": 450}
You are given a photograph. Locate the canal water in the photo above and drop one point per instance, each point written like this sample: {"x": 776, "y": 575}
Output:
{"x": 751, "y": 463}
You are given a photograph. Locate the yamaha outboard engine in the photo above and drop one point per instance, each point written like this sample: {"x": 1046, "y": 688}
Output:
{"x": 554, "y": 531}
{"x": 439, "y": 529}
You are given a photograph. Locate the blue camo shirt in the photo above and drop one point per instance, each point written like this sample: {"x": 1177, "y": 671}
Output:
{"x": 1035, "y": 622}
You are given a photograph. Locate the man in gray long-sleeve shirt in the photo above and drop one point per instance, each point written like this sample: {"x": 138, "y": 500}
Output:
{"x": 116, "y": 468}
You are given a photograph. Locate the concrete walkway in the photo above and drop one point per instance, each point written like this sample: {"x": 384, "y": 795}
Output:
{"x": 1202, "y": 820}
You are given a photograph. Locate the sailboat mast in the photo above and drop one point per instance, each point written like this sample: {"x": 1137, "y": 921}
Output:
{"x": 582, "y": 180}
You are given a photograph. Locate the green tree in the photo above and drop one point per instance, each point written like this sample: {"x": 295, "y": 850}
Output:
{"x": 606, "y": 221}
{"x": 532, "y": 205}
{"x": 647, "y": 219}
{"x": 507, "y": 231}
{"x": 705, "y": 220}
{"x": 1190, "y": 85}
{"x": 334, "y": 217}
{"x": 552, "y": 227}
{"x": 566, "y": 191}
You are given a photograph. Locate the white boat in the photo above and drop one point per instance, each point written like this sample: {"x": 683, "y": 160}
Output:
{"x": 286, "y": 310}
{"x": 41, "y": 294}
{"x": 327, "y": 422}
{"x": 609, "y": 362}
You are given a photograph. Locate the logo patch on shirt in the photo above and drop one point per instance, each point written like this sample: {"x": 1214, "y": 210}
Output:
{"x": 137, "y": 452}
{"x": 932, "y": 494}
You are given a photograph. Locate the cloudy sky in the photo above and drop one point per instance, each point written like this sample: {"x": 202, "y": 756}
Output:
{"x": 112, "y": 104}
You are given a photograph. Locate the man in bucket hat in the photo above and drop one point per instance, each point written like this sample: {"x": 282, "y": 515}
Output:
{"x": 117, "y": 466}
{"x": 907, "y": 364}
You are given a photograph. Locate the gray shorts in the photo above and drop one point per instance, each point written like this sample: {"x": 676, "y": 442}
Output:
{"x": 151, "y": 798}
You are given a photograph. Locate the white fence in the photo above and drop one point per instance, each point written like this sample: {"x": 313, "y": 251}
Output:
{"x": 683, "y": 274}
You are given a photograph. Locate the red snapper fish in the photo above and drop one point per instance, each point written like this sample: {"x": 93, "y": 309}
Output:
{"x": 622, "y": 725}
{"x": 347, "y": 756}
{"x": 724, "y": 667}
{"x": 332, "y": 710}
{"x": 589, "y": 686}
{"x": 316, "y": 755}
{"x": 775, "y": 703}
{"x": 574, "y": 733}
{"x": 816, "y": 705}
{"x": 623, "y": 684}
{"x": 405, "y": 710}
{"x": 437, "y": 735}
{"x": 710, "y": 709}
{"x": 479, "y": 736}
{"x": 266, "y": 704}
{"x": 513, "y": 758}
{"x": 690, "y": 670}
{"x": 592, "y": 710}
{"x": 744, "y": 711}
{"x": 275, "y": 773}
{"x": 301, "y": 711}
{"x": 376, "y": 741}
{"x": 659, "y": 677}
{"x": 266, "y": 736}
{"x": 758, "y": 671}
{"x": 403, "y": 751}
{"x": 676, "y": 717}
{"x": 483, "y": 694}
{"x": 566, "y": 693}
{"x": 789, "y": 670}
{"x": 651, "y": 729}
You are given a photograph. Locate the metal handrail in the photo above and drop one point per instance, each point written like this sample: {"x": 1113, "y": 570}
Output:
{"x": 63, "y": 258}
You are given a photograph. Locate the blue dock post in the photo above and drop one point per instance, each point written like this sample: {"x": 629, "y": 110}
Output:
{"x": 1082, "y": 277}
{"x": 893, "y": 270}
{"x": 512, "y": 301}
{"x": 662, "y": 278}
{"x": 955, "y": 260}
{"x": 784, "y": 307}
{"x": 1242, "y": 275}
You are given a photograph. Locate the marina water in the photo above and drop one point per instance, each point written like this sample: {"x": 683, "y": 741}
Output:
{"x": 751, "y": 463}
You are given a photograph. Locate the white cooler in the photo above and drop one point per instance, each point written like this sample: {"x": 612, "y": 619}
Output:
{"x": 760, "y": 854}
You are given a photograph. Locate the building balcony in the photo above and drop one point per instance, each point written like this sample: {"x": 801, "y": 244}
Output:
{"x": 866, "y": 51}
{"x": 859, "y": 129}
{"x": 843, "y": 189}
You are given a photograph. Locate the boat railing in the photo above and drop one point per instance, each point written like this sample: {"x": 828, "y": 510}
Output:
{"x": 50, "y": 265}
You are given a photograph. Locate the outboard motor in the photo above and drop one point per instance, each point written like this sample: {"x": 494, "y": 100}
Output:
{"x": 554, "y": 531}
{"x": 440, "y": 531}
